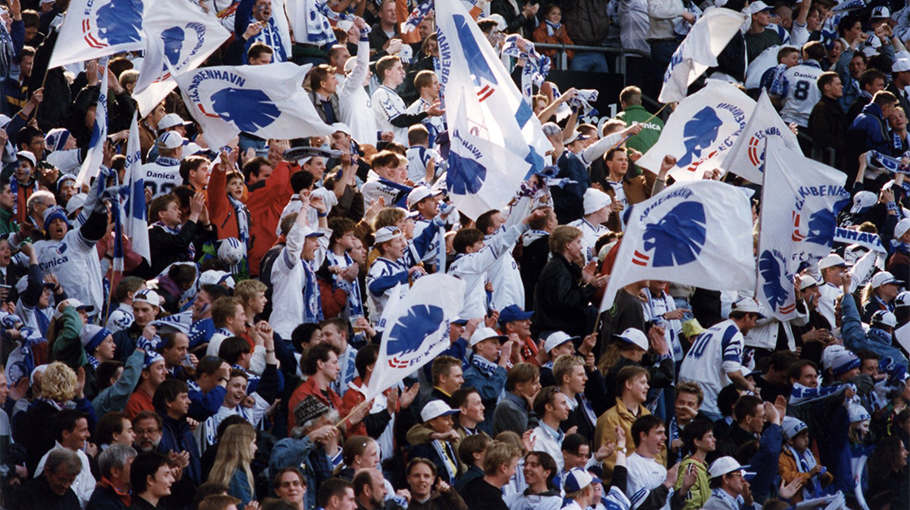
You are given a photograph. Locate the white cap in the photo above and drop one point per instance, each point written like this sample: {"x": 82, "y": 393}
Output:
{"x": 885, "y": 318}
{"x": 216, "y": 277}
{"x": 147, "y": 296}
{"x": 902, "y": 300}
{"x": 574, "y": 137}
{"x": 748, "y": 305}
{"x": 484, "y": 333}
{"x": 883, "y": 278}
{"x": 435, "y": 409}
{"x": 501, "y": 24}
{"x": 170, "y": 140}
{"x": 170, "y": 120}
{"x": 833, "y": 260}
{"x": 864, "y": 199}
{"x": 902, "y": 227}
{"x": 725, "y": 465}
{"x": 191, "y": 149}
{"x": 75, "y": 303}
{"x": 27, "y": 155}
{"x": 900, "y": 65}
{"x": 417, "y": 194}
{"x": 341, "y": 126}
{"x": 759, "y": 6}
{"x": 830, "y": 353}
{"x": 596, "y": 200}
{"x": 556, "y": 339}
{"x": 880, "y": 12}
{"x": 857, "y": 412}
{"x": 386, "y": 234}
{"x": 635, "y": 336}
{"x": 73, "y": 204}
{"x": 806, "y": 281}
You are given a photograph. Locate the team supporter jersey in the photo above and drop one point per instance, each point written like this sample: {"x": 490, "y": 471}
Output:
{"x": 295, "y": 296}
{"x": 74, "y": 261}
{"x": 473, "y": 269}
{"x": 715, "y": 353}
{"x": 386, "y": 106}
{"x": 420, "y": 223}
{"x": 590, "y": 233}
{"x": 799, "y": 92}
{"x": 644, "y": 476}
{"x": 206, "y": 432}
{"x": 121, "y": 318}
{"x": 162, "y": 176}
{"x": 434, "y": 125}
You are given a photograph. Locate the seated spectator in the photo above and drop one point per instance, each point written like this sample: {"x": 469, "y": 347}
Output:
{"x": 52, "y": 487}
{"x": 113, "y": 491}
{"x": 151, "y": 479}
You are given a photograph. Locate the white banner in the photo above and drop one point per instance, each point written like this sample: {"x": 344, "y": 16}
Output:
{"x": 694, "y": 233}
{"x": 747, "y": 156}
{"x": 180, "y": 38}
{"x": 266, "y": 101}
{"x": 701, "y": 131}
{"x": 415, "y": 329}
{"x": 800, "y": 202}
{"x": 699, "y": 50}
{"x": 95, "y": 155}
{"x": 135, "y": 217}
{"x": 97, "y": 28}
{"x": 864, "y": 239}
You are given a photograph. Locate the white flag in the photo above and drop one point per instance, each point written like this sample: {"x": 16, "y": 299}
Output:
{"x": 701, "y": 131}
{"x": 695, "y": 233}
{"x": 471, "y": 74}
{"x": 266, "y": 101}
{"x": 135, "y": 218}
{"x": 800, "y": 202}
{"x": 416, "y": 329}
{"x": 180, "y": 38}
{"x": 97, "y": 28}
{"x": 95, "y": 155}
{"x": 747, "y": 156}
{"x": 699, "y": 50}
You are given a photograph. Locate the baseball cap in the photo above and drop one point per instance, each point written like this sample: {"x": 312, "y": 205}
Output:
{"x": 636, "y": 337}
{"x": 885, "y": 318}
{"x": 386, "y": 234}
{"x": 900, "y": 65}
{"x": 73, "y": 204}
{"x": 574, "y": 137}
{"x": 577, "y": 479}
{"x": 596, "y": 200}
{"x": 556, "y": 339}
{"x": 417, "y": 194}
{"x": 866, "y": 199}
{"x": 75, "y": 303}
{"x": 902, "y": 299}
{"x": 807, "y": 281}
{"x": 435, "y": 409}
{"x": 880, "y": 12}
{"x": 883, "y": 278}
{"x": 900, "y": 229}
{"x": 513, "y": 313}
{"x": 792, "y": 427}
{"x": 170, "y": 140}
{"x": 170, "y": 120}
{"x": 833, "y": 260}
{"x": 27, "y": 155}
{"x": 725, "y": 465}
{"x": 147, "y": 296}
{"x": 341, "y": 126}
{"x": 484, "y": 333}
{"x": 461, "y": 321}
{"x": 759, "y": 6}
{"x": 692, "y": 328}
{"x": 216, "y": 277}
{"x": 748, "y": 305}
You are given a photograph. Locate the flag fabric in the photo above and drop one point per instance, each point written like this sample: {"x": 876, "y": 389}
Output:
{"x": 701, "y": 131}
{"x": 95, "y": 155}
{"x": 97, "y": 28}
{"x": 416, "y": 329}
{"x": 471, "y": 74}
{"x": 699, "y": 50}
{"x": 747, "y": 156}
{"x": 180, "y": 37}
{"x": 135, "y": 217}
{"x": 265, "y": 101}
{"x": 889, "y": 163}
{"x": 849, "y": 5}
{"x": 417, "y": 16}
{"x": 694, "y": 233}
{"x": 800, "y": 202}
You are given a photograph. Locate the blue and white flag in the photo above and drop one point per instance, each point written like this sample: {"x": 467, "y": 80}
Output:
{"x": 471, "y": 74}
{"x": 135, "y": 217}
{"x": 800, "y": 201}
{"x": 417, "y": 15}
{"x": 416, "y": 329}
{"x": 747, "y": 156}
{"x": 864, "y": 239}
{"x": 694, "y": 233}
{"x": 536, "y": 66}
{"x": 97, "y": 28}
{"x": 699, "y": 50}
{"x": 95, "y": 155}
{"x": 849, "y": 5}
{"x": 701, "y": 131}
{"x": 889, "y": 163}
{"x": 265, "y": 101}
{"x": 180, "y": 37}
{"x": 309, "y": 20}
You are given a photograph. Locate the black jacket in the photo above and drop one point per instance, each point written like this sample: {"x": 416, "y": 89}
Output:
{"x": 531, "y": 263}
{"x": 560, "y": 299}
{"x": 827, "y": 127}
{"x": 167, "y": 248}
{"x": 37, "y": 494}
{"x": 103, "y": 498}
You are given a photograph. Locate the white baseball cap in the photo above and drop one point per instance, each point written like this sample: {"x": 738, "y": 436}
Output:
{"x": 885, "y": 318}
{"x": 386, "y": 234}
{"x": 170, "y": 140}
{"x": 170, "y": 120}
{"x": 216, "y": 277}
{"x": 883, "y": 278}
{"x": 73, "y": 204}
{"x": 833, "y": 260}
{"x": 596, "y": 200}
{"x": 865, "y": 199}
{"x": 147, "y": 296}
{"x": 902, "y": 300}
{"x": 880, "y": 12}
{"x": 419, "y": 193}
{"x": 748, "y": 305}
{"x": 27, "y": 155}
{"x": 725, "y": 465}
{"x": 556, "y": 339}
{"x": 900, "y": 65}
{"x": 75, "y": 303}
{"x": 807, "y": 281}
{"x": 902, "y": 227}
{"x": 636, "y": 337}
{"x": 484, "y": 333}
{"x": 341, "y": 126}
{"x": 435, "y": 409}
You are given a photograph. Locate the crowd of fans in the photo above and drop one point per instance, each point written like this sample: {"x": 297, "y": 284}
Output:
{"x": 229, "y": 371}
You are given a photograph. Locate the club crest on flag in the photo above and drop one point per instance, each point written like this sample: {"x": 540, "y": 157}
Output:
{"x": 777, "y": 281}
{"x": 97, "y": 28}
{"x": 465, "y": 175}
{"x": 406, "y": 336}
{"x": 117, "y": 22}
{"x": 699, "y": 133}
{"x": 677, "y": 238}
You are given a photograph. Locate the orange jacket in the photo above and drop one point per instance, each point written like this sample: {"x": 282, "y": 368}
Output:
{"x": 560, "y": 37}
{"x": 266, "y": 201}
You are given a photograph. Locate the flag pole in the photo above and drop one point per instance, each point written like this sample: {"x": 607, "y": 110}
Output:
{"x": 358, "y": 407}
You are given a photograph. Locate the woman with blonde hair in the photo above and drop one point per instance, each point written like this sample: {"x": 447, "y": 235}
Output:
{"x": 232, "y": 463}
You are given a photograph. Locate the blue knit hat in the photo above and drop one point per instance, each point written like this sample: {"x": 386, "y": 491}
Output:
{"x": 52, "y": 213}
{"x": 92, "y": 336}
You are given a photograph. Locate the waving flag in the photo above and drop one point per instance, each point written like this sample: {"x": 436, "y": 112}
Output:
{"x": 471, "y": 74}
{"x": 747, "y": 156}
{"x": 417, "y": 15}
{"x": 701, "y": 131}
{"x": 135, "y": 220}
{"x": 95, "y": 154}
{"x": 800, "y": 202}
{"x": 98, "y": 28}
{"x": 695, "y": 233}
{"x": 849, "y": 5}
{"x": 180, "y": 38}
{"x": 416, "y": 329}
{"x": 266, "y": 101}
{"x": 699, "y": 50}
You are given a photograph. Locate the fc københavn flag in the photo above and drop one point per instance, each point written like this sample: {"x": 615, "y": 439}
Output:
{"x": 95, "y": 154}
{"x": 135, "y": 217}
{"x": 266, "y": 101}
{"x": 416, "y": 329}
{"x": 97, "y": 28}
{"x": 800, "y": 202}
{"x": 180, "y": 38}
{"x": 699, "y": 50}
{"x": 694, "y": 233}
{"x": 747, "y": 156}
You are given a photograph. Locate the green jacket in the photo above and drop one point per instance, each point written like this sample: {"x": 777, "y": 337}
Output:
{"x": 701, "y": 491}
{"x": 643, "y": 141}
{"x": 7, "y": 222}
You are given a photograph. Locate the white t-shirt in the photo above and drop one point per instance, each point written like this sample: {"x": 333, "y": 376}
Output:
{"x": 800, "y": 93}
{"x": 474, "y": 270}
{"x": 644, "y": 476}
{"x": 590, "y": 233}
{"x": 714, "y": 354}
{"x": 387, "y": 105}
{"x": 162, "y": 176}
{"x": 74, "y": 261}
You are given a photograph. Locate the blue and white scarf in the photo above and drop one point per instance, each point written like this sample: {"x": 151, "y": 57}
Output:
{"x": 804, "y": 463}
{"x": 319, "y": 31}
{"x": 536, "y": 67}
{"x": 803, "y": 394}
{"x": 355, "y": 301}
{"x": 552, "y": 27}
{"x": 889, "y": 163}
{"x": 416, "y": 17}
{"x": 312, "y": 305}
{"x": 190, "y": 253}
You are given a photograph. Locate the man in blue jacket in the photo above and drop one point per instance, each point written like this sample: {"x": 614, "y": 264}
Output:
{"x": 869, "y": 131}
{"x": 172, "y": 402}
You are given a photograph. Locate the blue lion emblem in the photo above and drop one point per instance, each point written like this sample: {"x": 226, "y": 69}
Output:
{"x": 173, "y": 43}
{"x": 465, "y": 176}
{"x": 410, "y": 331}
{"x": 776, "y": 282}
{"x": 822, "y": 224}
{"x": 120, "y": 21}
{"x": 678, "y": 237}
{"x": 249, "y": 110}
{"x": 699, "y": 133}
{"x": 471, "y": 51}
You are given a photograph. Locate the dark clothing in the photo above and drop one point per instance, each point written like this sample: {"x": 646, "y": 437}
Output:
{"x": 141, "y": 504}
{"x": 176, "y": 436}
{"x": 533, "y": 259}
{"x": 378, "y": 38}
{"x": 585, "y": 21}
{"x": 167, "y": 248}
{"x": 856, "y": 107}
{"x": 515, "y": 20}
{"x": 901, "y": 96}
{"x": 34, "y": 429}
{"x": 469, "y": 475}
{"x": 568, "y": 200}
{"x": 868, "y": 132}
{"x": 328, "y": 111}
{"x": 560, "y": 299}
{"x": 36, "y": 493}
{"x": 827, "y": 127}
{"x": 479, "y": 495}
{"x": 732, "y": 441}
{"x": 104, "y": 498}
{"x": 732, "y": 60}
{"x": 626, "y": 313}
{"x": 429, "y": 451}
{"x": 757, "y": 43}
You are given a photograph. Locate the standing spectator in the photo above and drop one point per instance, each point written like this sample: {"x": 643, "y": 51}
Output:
{"x": 871, "y": 81}
{"x": 385, "y": 30}
{"x": 900, "y": 80}
{"x": 520, "y": 15}
{"x": 151, "y": 478}
{"x": 649, "y": 482}
{"x": 253, "y": 22}
{"x": 869, "y": 131}
{"x": 588, "y": 25}
{"x": 388, "y": 107}
{"x": 484, "y": 372}
{"x": 172, "y": 403}
{"x": 633, "y": 112}
{"x": 552, "y": 407}
{"x": 759, "y": 37}
{"x": 552, "y": 31}
{"x": 71, "y": 431}
{"x": 662, "y": 19}
{"x": 827, "y": 122}
{"x": 797, "y": 91}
